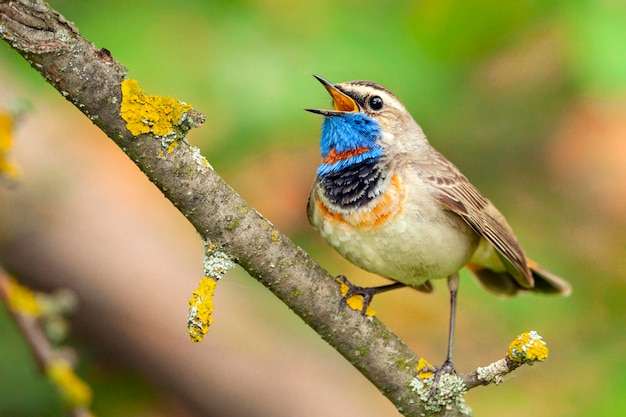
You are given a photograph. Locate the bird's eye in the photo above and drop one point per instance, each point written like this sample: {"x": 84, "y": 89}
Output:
{"x": 375, "y": 103}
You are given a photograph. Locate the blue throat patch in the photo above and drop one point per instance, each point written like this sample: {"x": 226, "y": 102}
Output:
{"x": 348, "y": 139}
{"x": 350, "y": 173}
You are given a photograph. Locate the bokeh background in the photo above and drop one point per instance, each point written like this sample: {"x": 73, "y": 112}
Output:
{"x": 528, "y": 98}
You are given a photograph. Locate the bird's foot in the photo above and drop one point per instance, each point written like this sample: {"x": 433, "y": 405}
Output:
{"x": 366, "y": 293}
{"x": 438, "y": 371}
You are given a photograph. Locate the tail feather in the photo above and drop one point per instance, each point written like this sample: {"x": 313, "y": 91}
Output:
{"x": 498, "y": 283}
{"x": 502, "y": 283}
{"x": 547, "y": 282}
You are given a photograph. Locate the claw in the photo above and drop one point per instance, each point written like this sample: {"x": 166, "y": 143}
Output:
{"x": 366, "y": 294}
{"x": 446, "y": 368}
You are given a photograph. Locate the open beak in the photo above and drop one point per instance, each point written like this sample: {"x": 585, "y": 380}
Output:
{"x": 342, "y": 103}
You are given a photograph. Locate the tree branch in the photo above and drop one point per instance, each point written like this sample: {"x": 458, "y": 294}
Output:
{"x": 91, "y": 79}
{"x": 26, "y": 309}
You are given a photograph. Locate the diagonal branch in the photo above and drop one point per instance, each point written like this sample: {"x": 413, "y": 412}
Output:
{"x": 91, "y": 79}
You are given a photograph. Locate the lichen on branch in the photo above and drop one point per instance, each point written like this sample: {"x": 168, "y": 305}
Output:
{"x": 528, "y": 348}
{"x": 216, "y": 264}
{"x": 147, "y": 113}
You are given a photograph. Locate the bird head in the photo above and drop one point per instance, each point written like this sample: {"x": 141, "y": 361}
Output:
{"x": 367, "y": 121}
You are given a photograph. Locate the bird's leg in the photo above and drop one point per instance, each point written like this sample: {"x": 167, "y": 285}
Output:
{"x": 366, "y": 292}
{"x": 447, "y": 367}
{"x": 453, "y": 286}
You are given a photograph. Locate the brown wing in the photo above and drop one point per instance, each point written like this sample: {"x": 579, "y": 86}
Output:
{"x": 458, "y": 195}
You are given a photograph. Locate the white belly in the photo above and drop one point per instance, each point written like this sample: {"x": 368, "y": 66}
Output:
{"x": 418, "y": 242}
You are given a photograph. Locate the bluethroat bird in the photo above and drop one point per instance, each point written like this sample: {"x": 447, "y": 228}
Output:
{"x": 387, "y": 201}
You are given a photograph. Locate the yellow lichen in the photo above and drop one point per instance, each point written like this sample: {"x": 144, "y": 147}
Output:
{"x": 146, "y": 113}
{"x": 528, "y": 348}
{"x": 22, "y": 300}
{"x": 172, "y": 146}
{"x": 421, "y": 364}
{"x": 6, "y": 126}
{"x": 200, "y": 309}
{"x": 355, "y": 302}
{"x": 74, "y": 390}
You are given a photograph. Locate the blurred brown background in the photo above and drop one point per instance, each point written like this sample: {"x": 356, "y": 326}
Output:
{"x": 527, "y": 98}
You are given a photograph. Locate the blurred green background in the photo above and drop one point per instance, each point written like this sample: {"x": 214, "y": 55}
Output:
{"x": 526, "y": 97}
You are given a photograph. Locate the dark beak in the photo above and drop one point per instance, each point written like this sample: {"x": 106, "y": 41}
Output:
{"x": 342, "y": 103}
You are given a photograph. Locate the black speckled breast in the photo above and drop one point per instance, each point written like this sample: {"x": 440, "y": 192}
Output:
{"x": 355, "y": 185}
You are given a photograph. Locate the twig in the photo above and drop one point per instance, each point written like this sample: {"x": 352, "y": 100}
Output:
{"x": 56, "y": 364}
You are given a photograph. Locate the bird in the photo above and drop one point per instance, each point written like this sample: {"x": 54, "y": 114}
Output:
{"x": 391, "y": 204}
